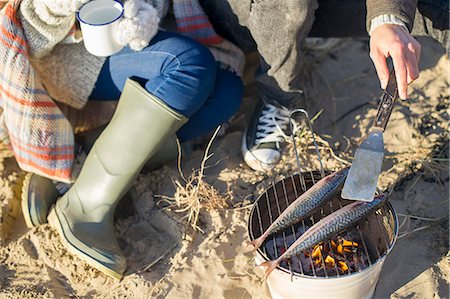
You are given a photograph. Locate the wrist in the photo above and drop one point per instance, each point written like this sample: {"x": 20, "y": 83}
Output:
{"x": 386, "y": 19}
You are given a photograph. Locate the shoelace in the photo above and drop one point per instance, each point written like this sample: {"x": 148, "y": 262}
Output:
{"x": 272, "y": 123}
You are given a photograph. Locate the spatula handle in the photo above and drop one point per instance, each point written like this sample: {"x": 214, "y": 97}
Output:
{"x": 388, "y": 98}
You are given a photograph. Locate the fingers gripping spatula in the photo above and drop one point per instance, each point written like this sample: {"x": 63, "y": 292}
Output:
{"x": 362, "y": 179}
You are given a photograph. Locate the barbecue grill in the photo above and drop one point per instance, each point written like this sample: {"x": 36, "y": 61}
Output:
{"x": 375, "y": 236}
{"x": 350, "y": 274}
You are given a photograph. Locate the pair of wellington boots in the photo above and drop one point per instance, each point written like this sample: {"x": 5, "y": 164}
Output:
{"x": 84, "y": 215}
{"x": 40, "y": 193}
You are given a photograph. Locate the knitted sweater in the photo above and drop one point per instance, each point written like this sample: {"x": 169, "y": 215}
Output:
{"x": 67, "y": 70}
{"x": 404, "y": 10}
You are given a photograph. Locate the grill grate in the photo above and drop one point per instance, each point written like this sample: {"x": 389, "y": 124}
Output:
{"x": 375, "y": 234}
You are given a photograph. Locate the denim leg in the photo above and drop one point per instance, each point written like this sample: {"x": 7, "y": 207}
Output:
{"x": 218, "y": 108}
{"x": 176, "y": 69}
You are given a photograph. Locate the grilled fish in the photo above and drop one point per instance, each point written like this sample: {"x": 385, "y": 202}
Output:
{"x": 305, "y": 204}
{"x": 327, "y": 227}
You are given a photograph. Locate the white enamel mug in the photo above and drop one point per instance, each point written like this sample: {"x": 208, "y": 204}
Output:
{"x": 99, "y": 20}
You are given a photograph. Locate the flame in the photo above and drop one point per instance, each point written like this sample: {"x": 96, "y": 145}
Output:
{"x": 317, "y": 252}
{"x": 334, "y": 252}
{"x": 329, "y": 260}
{"x": 346, "y": 243}
{"x": 343, "y": 266}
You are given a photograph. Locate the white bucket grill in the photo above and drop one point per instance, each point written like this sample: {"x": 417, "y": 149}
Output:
{"x": 375, "y": 234}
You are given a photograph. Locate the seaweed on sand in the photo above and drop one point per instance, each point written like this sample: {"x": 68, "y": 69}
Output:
{"x": 193, "y": 194}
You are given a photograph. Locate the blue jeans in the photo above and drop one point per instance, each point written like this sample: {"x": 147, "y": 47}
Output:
{"x": 180, "y": 72}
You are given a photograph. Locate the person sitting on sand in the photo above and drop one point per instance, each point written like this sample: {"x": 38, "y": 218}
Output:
{"x": 277, "y": 30}
{"x": 167, "y": 85}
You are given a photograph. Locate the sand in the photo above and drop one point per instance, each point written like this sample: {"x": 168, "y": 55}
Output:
{"x": 168, "y": 259}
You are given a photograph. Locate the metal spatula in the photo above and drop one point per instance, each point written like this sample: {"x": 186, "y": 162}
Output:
{"x": 362, "y": 179}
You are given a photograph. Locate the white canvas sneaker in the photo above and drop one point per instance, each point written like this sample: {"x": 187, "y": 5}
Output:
{"x": 263, "y": 137}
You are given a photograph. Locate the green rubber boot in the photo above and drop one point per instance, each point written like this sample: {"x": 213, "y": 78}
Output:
{"x": 168, "y": 151}
{"x": 38, "y": 195}
{"x": 84, "y": 215}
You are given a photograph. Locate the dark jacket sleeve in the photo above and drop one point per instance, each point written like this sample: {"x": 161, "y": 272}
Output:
{"x": 405, "y": 10}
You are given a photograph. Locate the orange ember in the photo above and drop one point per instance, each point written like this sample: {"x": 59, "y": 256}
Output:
{"x": 332, "y": 255}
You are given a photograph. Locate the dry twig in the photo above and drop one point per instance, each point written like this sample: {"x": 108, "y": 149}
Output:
{"x": 195, "y": 195}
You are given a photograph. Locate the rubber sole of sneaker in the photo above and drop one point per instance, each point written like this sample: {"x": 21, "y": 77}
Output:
{"x": 56, "y": 224}
{"x": 252, "y": 161}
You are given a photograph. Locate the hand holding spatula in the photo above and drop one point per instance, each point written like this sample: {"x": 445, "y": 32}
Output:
{"x": 362, "y": 179}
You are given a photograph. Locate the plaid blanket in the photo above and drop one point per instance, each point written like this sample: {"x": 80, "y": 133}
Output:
{"x": 193, "y": 22}
{"x": 32, "y": 124}
{"x": 38, "y": 132}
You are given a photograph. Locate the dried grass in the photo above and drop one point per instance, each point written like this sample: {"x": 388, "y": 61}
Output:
{"x": 424, "y": 161}
{"x": 308, "y": 157}
{"x": 193, "y": 195}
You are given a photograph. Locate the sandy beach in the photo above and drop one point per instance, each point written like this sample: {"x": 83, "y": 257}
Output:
{"x": 167, "y": 258}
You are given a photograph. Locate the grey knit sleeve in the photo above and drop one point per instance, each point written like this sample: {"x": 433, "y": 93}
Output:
{"x": 405, "y": 10}
{"x": 44, "y": 25}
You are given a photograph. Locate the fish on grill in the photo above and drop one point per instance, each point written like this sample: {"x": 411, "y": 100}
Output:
{"x": 305, "y": 204}
{"x": 326, "y": 228}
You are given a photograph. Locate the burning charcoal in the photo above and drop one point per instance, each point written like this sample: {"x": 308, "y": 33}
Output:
{"x": 346, "y": 249}
{"x": 306, "y": 263}
{"x": 320, "y": 271}
{"x": 270, "y": 248}
{"x": 340, "y": 257}
{"x": 346, "y": 243}
{"x": 317, "y": 252}
{"x": 296, "y": 264}
{"x": 285, "y": 264}
{"x": 333, "y": 244}
{"x": 329, "y": 260}
{"x": 282, "y": 241}
{"x": 342, "y": 266}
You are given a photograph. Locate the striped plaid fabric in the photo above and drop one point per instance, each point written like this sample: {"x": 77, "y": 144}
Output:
{"x": 193, "y": 22}
{"x": 39, "y": 134}
{"x": 36, "y": 129}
